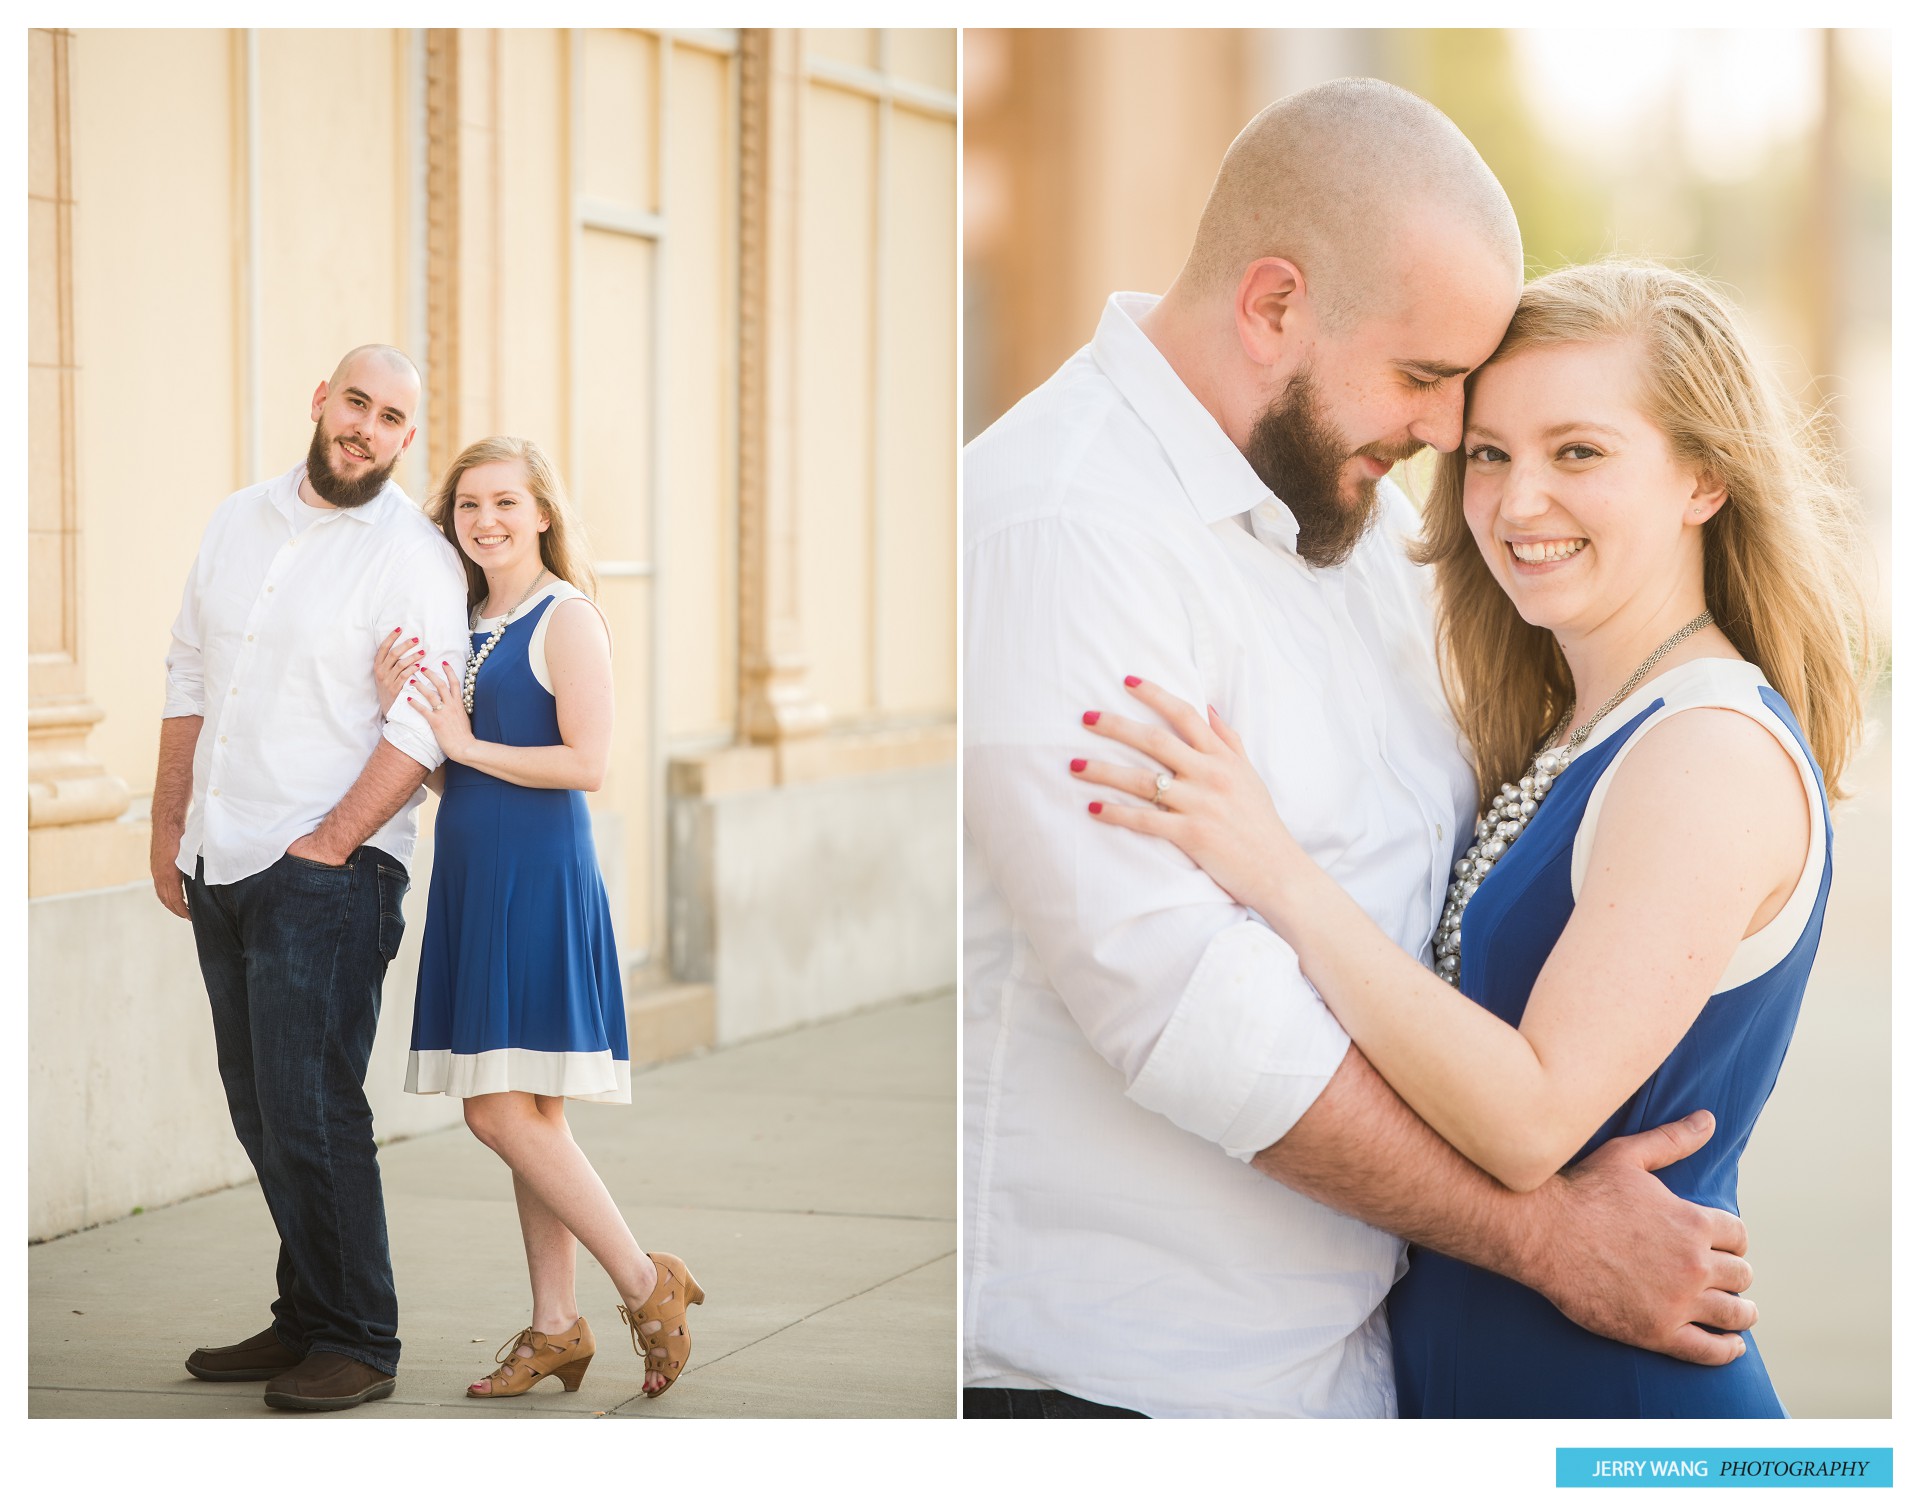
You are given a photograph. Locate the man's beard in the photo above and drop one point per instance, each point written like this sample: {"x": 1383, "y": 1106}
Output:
{"x": 1298, "y": 456}
{"x": 330, "y": 487}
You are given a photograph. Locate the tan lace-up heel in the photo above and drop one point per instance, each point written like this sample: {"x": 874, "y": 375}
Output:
{"x": 564, "y": 1355}
{"x": 665, "y": 1351}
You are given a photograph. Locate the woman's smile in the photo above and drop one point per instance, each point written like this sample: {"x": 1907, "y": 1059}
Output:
{"x": 1540, "y": 555}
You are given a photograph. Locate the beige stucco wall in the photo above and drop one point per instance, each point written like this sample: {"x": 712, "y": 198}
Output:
{"x": 551, "y": 222}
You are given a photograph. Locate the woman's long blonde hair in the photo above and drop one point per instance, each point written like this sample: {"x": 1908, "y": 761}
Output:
{"x": 563, "y": 546}
{"x": 1779, "y": 554}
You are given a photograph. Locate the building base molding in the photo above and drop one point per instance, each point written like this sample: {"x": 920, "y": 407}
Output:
{"x": 800, "y": 902}
{"x": 79, "y": 858}
{"x": 667, "y": 1022}
{"x": 846, "y": 753}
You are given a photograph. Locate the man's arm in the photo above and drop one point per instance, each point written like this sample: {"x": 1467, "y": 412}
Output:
{"x": 1606, "y": 1242}
{"x": 172, "y": 791}
{"x": 426, "y": 591}
{"x": 183, "y": 714}
{"x": 385, "y": 783}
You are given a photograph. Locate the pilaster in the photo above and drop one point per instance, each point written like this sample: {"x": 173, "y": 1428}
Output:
{"x": 73, "y": 803}
{"x": 776, "y": 701}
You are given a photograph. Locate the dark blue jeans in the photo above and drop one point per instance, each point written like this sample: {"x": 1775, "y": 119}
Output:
{"x": 293, "y": 959}
{"x": 1036, "y": 1404}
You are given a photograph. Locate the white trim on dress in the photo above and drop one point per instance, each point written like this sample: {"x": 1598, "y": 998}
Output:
{"x": 585, "y": 1075}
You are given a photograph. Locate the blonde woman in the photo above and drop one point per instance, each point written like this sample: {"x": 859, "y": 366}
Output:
{"x": 1654, "y": 649}
{"x": 519, "y": 1004}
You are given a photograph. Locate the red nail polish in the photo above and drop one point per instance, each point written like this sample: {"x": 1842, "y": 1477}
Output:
{"x": 411, "y": 641}
{"x": 1133, "y": 681}
{"x": 1094, "y": 808}
{"x": 1090, "y": 717}
{"x": 1079, "y": 765}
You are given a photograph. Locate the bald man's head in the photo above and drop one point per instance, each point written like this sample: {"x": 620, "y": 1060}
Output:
{"x": 1347, "y": 180}
{"x": 396, "y": 361}
{"x": 362, "y": 423}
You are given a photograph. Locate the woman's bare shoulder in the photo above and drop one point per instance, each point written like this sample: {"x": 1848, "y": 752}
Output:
{"x": 1716, "y": 774}
{"x": 577, "y": 627}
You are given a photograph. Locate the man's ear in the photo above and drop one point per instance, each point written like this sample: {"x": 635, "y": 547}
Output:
{"x": 319, "y": 401}
{"x": 1270, "y": 311}
{"x": 407, "y": 441}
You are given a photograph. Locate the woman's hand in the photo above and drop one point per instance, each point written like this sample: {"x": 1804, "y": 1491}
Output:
{"x": 1213, "y": 805}
{"x": 435, "y": 693}
{"x": 396, "y": 660}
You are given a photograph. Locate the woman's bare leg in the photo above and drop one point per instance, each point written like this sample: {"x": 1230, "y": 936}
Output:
{"x": 540, "y": 1150}
{"x": 550, "y": 1253}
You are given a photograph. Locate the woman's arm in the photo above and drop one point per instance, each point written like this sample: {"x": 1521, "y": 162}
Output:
{"x": 1673, "y": 884}
{"x": 580, "y": 663}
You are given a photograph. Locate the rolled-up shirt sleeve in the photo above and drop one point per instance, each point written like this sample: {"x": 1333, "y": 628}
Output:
{"x": 186, "y": 669}
{"x": 1201, "y": 1008}
{"x": 427, "y": 597}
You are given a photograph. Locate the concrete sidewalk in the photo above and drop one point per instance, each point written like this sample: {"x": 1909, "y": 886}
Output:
{"x": 808, "y": 1179}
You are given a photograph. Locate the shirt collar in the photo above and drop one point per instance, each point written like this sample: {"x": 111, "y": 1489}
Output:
{"x": 1213, "y": 472}
{"x": 284, "y": 493}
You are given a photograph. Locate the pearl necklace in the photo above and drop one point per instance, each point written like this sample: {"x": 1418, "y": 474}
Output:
{"x": 1516, "y": 804}
{"x": 473, "y": 664}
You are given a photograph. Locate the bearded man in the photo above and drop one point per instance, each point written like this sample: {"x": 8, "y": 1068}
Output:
{"x": 284, "y": 815}
{"x": 1186, "y": 1193}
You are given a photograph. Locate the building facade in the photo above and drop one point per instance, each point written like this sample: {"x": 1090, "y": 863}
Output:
{"x": 713, "y": 274}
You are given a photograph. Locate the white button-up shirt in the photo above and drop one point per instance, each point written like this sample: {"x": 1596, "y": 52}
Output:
{"x": 274, "y": 647}
{"x": 1132, "y": 1035}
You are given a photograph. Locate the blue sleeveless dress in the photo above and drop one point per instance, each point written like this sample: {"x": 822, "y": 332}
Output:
{"x": 1470, "y": 1343}
{"x": 519, "y": 985}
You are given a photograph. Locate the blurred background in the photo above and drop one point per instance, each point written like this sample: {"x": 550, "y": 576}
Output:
{"x": 713, "y": 274}
{"x": 1760, "y": 158}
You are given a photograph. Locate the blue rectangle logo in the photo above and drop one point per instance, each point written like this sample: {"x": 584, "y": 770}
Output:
{"x": 1724, "y": 1467}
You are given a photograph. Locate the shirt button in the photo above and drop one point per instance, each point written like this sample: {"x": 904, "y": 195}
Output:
{"x": 235, "y": 690}
{"x": 269, "y": 590}
{"x": 249, "y": 637}
{"x": 216, "y": 793}
{"x": 1269, "y": 513}
{"x": 1439, "y": 830}
{"x": 223, "y": 741}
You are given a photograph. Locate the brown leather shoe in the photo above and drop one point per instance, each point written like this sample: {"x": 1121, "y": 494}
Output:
{"x": 260, "y": 1357}
{"x": 328, "y": 1381}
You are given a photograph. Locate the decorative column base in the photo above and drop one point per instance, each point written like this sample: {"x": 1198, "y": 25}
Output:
{"x": 778, "y": 705}
{"x": 75, "y": 837}
{"x": 64, "y": 784}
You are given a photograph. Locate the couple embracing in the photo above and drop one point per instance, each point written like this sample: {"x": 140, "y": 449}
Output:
{"x": 337, "y": 652}
{"x": 1320, "y": 903}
